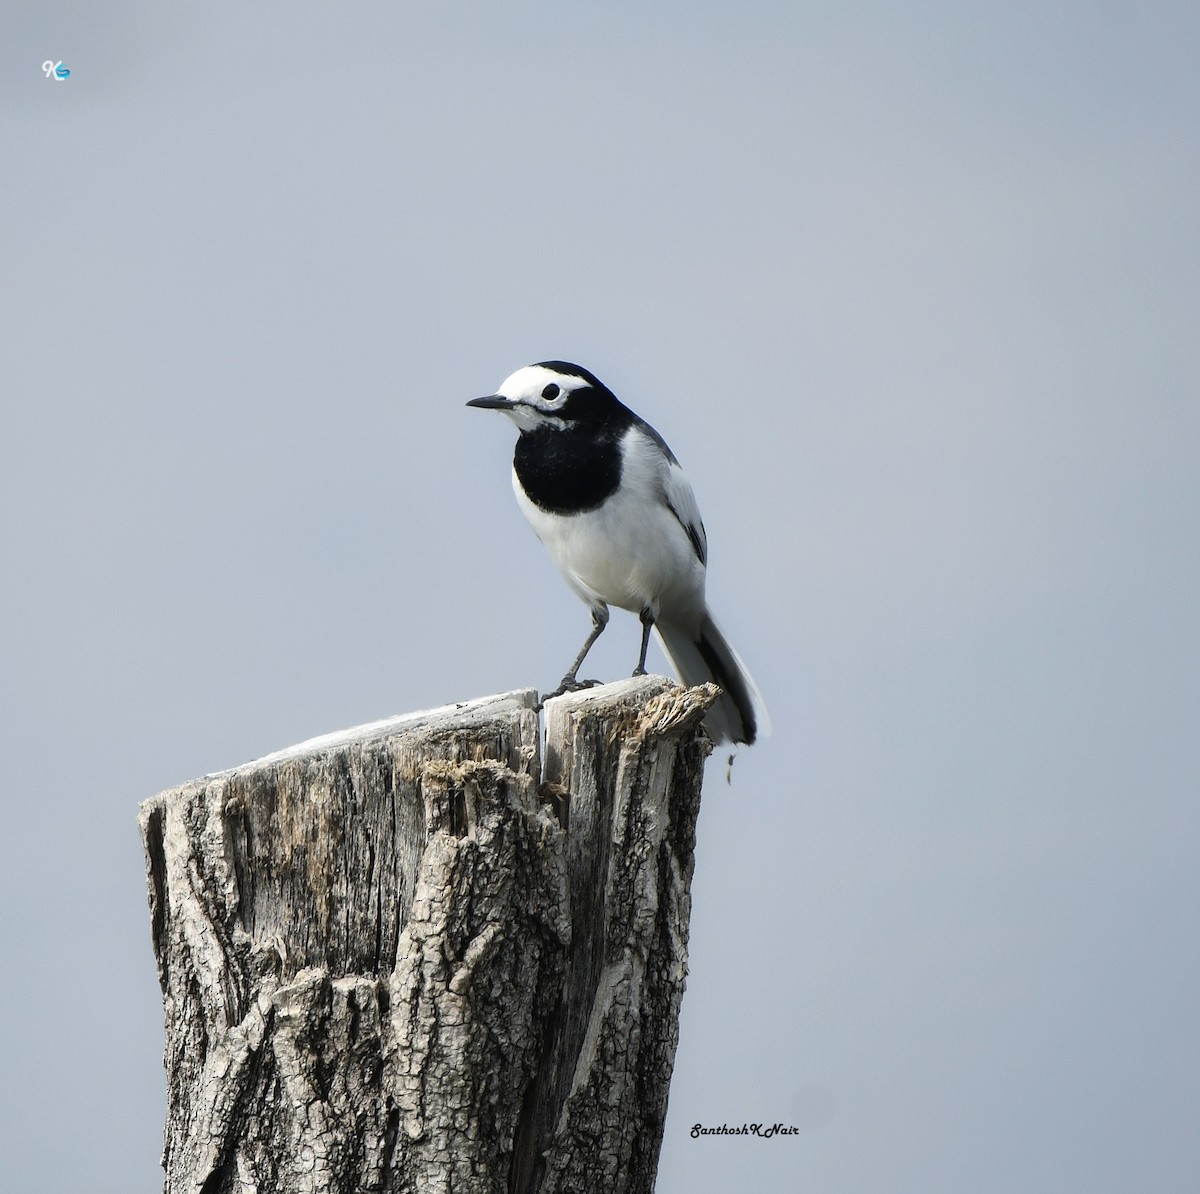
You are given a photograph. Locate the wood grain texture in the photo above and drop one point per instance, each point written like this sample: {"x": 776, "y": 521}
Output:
{"x": 401, "y": 958}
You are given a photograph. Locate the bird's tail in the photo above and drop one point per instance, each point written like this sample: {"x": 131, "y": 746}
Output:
{"x": 739, "y": 715}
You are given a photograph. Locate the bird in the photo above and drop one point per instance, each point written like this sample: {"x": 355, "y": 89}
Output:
{"x": 612, "y": 506}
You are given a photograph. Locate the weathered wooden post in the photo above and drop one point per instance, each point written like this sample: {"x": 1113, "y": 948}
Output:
{"x": 424, "y": 955}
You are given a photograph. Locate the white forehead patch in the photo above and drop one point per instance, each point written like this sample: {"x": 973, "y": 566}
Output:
{"x": 527, "y": 384}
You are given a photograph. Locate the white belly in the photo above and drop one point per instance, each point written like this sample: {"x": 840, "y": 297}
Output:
{"x": 629, "y": 553}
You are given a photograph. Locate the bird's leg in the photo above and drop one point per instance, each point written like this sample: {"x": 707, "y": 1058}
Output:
{"x": 647, "y": 621}
{"x": 569, "y": 683}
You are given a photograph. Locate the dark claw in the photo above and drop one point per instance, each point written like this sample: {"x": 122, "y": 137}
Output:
{"x": 569, "y": 684}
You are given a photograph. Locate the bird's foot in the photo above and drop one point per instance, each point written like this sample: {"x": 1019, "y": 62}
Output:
{"x": 639, "y": 671}
{"x": 570, "y": 684}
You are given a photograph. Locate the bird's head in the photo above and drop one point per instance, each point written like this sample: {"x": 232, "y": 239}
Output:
{"x": 553, "y": 394}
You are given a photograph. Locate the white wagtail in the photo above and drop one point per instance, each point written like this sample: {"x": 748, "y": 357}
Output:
{"x": 609, "y": 501}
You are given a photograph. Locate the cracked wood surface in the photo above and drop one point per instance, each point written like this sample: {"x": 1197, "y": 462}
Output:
{"x": 408, "y": 957}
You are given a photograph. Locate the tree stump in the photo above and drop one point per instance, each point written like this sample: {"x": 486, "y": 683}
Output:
{"x": 418, "y": 957}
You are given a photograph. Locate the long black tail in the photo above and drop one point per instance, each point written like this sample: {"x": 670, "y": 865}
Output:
{"x": 739, "y": 715}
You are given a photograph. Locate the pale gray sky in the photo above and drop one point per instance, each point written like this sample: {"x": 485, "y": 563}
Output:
{"x": 912, "y": 291}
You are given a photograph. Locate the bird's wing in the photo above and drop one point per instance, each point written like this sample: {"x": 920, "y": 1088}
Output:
{"x": 677, "y": 492}
{"x": 674, "y": 487}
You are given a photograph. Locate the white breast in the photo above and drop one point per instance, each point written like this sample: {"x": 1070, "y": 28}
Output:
{"x": 631, "y": 552}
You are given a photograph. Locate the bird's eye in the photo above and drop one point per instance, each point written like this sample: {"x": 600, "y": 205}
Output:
{"x": 551, "y": 391}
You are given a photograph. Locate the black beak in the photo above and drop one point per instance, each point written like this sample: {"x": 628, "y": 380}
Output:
{"x": 492, "y": 402}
